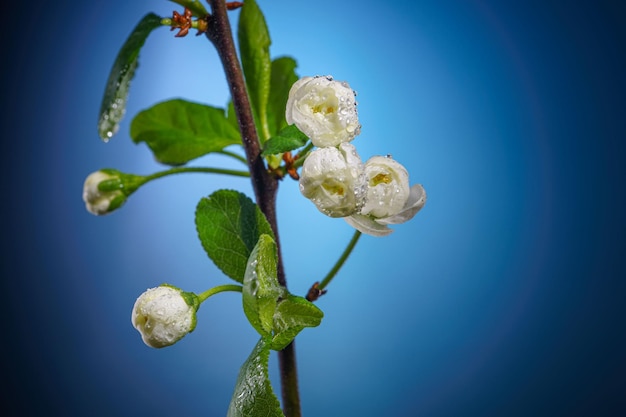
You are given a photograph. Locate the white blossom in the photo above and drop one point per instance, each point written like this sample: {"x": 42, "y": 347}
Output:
{"x": 332, "y": 178}
{"x": 164, "y": 315}
{"x": 100, "y": 202}
{"x": 324, "y": 110}
{"x": 389, "y": 200}
{"x": 387, "y": 187}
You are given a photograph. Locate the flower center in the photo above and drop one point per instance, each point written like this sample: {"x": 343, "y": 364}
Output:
{"x": 324, "y": 109}
{"x": 334, "y": 188}
{"x": 381, "y": 179}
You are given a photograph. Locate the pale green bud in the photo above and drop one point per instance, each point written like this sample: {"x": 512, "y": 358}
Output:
{"x": 107, "y": 189}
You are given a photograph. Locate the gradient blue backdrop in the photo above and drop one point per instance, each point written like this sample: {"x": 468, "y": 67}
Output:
{"x": 503, "y": 297}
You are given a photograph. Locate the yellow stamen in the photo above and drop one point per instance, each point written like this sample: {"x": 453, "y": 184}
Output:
{"x": 334, "y": 188}
{"x": 320, "y": 108}
{"x": 380, "y": 179}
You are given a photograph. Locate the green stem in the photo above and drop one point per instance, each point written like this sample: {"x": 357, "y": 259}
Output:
{"x": 340, "y": 261}
{"x": 181, "y": 170}
{"x": 220, "y": 288}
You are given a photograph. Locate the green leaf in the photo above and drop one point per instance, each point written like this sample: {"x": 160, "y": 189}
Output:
{"x": 229, "y": 225}
{"x": 253, "y": 395}
{"x": 197, "y": 8}
{"x": 261, "y": 289}
{"x": 178, "y": 131}
{"x": 269, "y": 307}
{"x": 288, "y": 139}
{"x": 283, "y": 77}
{"x": 254, "y": 44}
{"x": 116, "y": 91}
{"x": 293, "y": 314}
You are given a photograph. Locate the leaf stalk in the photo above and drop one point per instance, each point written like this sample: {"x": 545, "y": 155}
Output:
{"x": 205, "y": 170}
{"x": 216, "y": 290}
{"x": 342, "y": 259}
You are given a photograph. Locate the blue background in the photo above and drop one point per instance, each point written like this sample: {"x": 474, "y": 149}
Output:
{"x": 505, "y": 296}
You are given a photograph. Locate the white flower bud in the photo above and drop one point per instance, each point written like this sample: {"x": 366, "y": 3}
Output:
{"x": 107, "y": 189}
{"x": 387, "y": 187}
{"x": 332, "y": 178}
{"x": 164, "y": 315}
{"x": 101, "y": 202}
{"x": 324, "y": 110}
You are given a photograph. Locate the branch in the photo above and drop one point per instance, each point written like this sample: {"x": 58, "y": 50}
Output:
{"x": 265, "y": 186}
{"x": 220, "y": 34}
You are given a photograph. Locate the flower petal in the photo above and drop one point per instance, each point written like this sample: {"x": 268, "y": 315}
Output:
{"x": 367, "y": 225}
{"x": 417, "y": 199}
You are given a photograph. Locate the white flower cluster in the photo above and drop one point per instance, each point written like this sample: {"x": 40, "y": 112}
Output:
{"x": 164, "y": 315}
{"x": 368, "y": 196}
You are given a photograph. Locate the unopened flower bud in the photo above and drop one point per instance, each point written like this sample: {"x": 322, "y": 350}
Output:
{"x": 332, "y": 178}
{"x": 324, "y": 110}
{"x": 164, "y": 315}
{"x": 107, "y": 189}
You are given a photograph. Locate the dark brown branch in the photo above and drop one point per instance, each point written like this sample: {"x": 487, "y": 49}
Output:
{"x": 265, "y": 186}
{"x": 220, "y": 34}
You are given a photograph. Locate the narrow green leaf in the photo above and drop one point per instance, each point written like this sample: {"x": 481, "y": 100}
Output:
{"x": 178, "y": 131}
{"x": 116, "y": 91}
{"x": 283, "y": 77}
{"x": 288, "y": 139}
{"x": 253, "y": 395}
{"x": 229, "y": 225}
{"x": 293, "y": 313}
{"x": 197, "y": 8}
{"x": 254, "y": 44}
{"x": 261, "y": 289}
